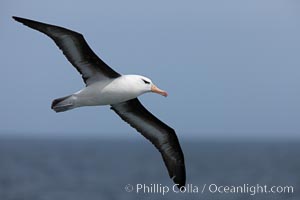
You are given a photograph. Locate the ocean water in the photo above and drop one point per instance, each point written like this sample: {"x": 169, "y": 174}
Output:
{"x": 93, "y": 169}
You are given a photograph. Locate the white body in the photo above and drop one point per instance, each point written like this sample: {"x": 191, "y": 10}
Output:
{"x": 107, "y": 92}
{"x": 110, "y": 92}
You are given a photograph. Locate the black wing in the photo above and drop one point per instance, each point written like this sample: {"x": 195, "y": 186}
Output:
{"x": 76, "y": 49}
{"x": 162, "y": 136}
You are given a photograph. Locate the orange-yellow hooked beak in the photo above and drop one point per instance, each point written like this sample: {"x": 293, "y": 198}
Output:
{"x": 158, "y": 91}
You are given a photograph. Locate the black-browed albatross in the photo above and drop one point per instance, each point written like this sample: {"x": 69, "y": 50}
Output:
{"x": 104, "y": 86}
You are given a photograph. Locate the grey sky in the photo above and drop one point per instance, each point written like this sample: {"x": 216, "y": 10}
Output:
{"x": 231, "y": 67}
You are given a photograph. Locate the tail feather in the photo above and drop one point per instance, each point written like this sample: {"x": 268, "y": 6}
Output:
{"x": 63, "y": 104}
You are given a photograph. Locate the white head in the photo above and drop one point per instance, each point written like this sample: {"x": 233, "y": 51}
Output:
{"x": 144, "y": 84}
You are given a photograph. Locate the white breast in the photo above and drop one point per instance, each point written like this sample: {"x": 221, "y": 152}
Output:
{"x": 109, "y": 92}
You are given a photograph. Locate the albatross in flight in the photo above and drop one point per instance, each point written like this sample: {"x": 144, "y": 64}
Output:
{"x": 104, "y": 86}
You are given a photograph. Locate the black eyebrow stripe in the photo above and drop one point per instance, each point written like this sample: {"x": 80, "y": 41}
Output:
{"x": 147, "y": 82}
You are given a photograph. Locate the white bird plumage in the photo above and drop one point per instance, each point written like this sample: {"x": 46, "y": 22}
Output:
{"x": 112, "y": 91}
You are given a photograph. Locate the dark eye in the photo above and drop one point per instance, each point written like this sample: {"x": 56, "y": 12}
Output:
{"x": 147, "y": 82}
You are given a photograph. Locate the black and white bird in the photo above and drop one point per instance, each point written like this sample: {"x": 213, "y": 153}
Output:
{"x": 104, "y": 86}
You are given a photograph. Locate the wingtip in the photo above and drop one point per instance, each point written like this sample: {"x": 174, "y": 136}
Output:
{"x": 19, "y": 19}
{"x": 180, "y": 177}
{"x": 16, "y": 18}
{"x": 22, "y": 20}
{"x": 179, "y": 183}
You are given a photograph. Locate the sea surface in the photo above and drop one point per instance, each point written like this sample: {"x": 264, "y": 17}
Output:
{"x": 95, "y": 168}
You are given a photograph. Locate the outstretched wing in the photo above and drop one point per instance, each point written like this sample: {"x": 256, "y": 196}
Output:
{"x": 161, "y": 135}
{"x": 76, "y": 49}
